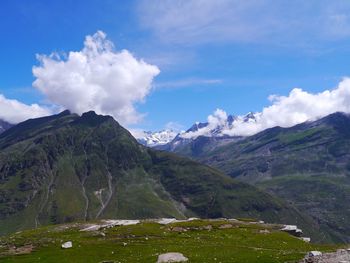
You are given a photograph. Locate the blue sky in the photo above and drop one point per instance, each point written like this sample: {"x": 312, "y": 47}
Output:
{"x": 222, "y": 54}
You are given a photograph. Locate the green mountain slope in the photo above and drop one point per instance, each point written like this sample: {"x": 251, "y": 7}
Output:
{"x": 308, "y": 165}
{"x": 64, "y": 168}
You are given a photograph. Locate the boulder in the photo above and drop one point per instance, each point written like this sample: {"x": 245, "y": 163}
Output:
{"x": 171, "y": 257}
{"x": 314, "y": 254}
{"x": 67, "y": 244}
{"x": 293, "y": 230}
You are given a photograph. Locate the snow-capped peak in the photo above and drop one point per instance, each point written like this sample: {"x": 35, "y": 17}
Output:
{"x": 153, "y": 139}
{"x": 219, "y": 124}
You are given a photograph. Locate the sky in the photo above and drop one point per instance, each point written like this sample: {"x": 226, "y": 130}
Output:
{"x": 155, "y": 64}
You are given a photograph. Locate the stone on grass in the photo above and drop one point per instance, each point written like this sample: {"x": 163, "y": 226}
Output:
{"x": 67, "y": 244}
{"x": 171, "y": 257}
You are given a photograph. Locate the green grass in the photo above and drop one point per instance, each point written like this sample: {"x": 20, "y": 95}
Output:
{"x": 142, "y": 243}
{"x": 299, "y": 137}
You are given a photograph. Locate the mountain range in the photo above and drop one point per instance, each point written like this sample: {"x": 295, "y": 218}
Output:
{"x": 66, "y": 167}
{"x": 307, "y": 165}
{"x": 219, "y": 130}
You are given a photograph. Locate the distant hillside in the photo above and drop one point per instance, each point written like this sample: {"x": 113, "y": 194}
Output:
{"x": 307, "y": 165}
{"x": 4, "y": 125}
{"x": 64, "y": 168}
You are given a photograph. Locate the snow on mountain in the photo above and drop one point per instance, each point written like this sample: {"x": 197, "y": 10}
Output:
{"x": 153, "y": 139}
{"x": 219, "y": 124}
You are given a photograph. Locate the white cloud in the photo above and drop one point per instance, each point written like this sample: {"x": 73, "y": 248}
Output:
{"x": 96, "y": 78}
{"x": 217, "y": 119}
{"x": 198, "y": 21}
{"x": 299, "y": 106}
{"x": 138, "y": 133}
{"x": 14, "y": 111}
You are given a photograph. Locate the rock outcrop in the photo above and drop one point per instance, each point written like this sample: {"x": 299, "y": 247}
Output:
{"x": 340, "y": 256}
{"x": 171, "y": 257}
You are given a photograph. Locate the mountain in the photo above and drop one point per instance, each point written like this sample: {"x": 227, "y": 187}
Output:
{"x": 307, "y": 165}
{"x": 195, "y": 147}
{"x": 318, "y": 147}
{"x": 221, "y": 125}
{"x": 214, "y": 134}
{"x": 4, "y": 126}
{"x": 206, "y": 136}
{"x": 154, "y": 139}
{"x": 66, "y": 167}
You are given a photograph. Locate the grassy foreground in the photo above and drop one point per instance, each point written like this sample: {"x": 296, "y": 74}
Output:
{"x": 199, "y": 240}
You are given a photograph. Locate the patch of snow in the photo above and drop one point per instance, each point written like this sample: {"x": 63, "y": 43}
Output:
{"x": 193, "y": 218}
{"x": 289, "y": 228}
{"x": 91, "y": 228}
{"x": 121, "y": 222}
{"x": 165, "y": 221}
{"x": 306, "y": 239}
{"x": 110, "y": 223}
{"x": 220, "y": 124}
{"x": 153, "y": 139}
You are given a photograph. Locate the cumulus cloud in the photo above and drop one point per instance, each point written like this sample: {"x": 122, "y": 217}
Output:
{"x": 217, "y": 120}
{"x": 96, "y": 78}
{"x": 198, "y": 21}
{"x": 14, "y": 111}
{"x": 285, "y": 111}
